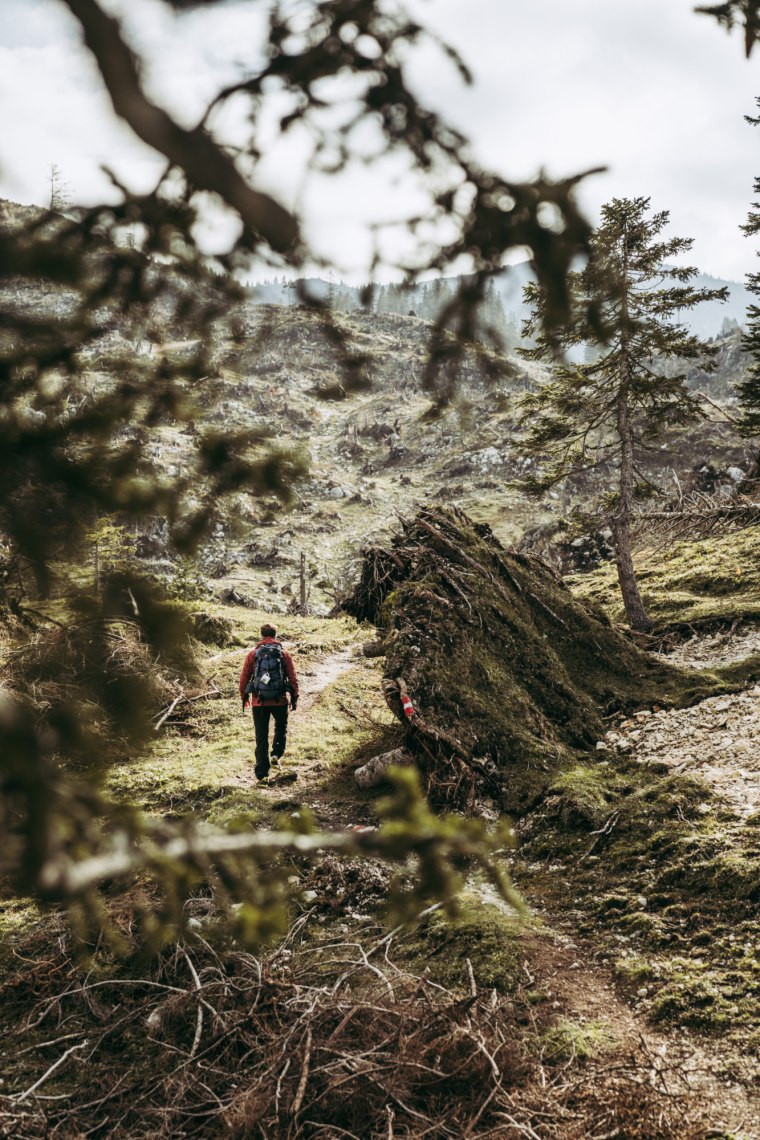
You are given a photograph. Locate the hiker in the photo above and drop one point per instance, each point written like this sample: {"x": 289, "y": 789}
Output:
{"x": 268, "y": 678}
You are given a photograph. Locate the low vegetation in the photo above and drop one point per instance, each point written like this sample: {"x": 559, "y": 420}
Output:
{"x": 655, "y": 870}
{"x": 340, "y": 1021}
{"x": 510, "y": 674}
{"x": 702, "y": 584}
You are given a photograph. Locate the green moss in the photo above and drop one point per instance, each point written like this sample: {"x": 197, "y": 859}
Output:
{"x": 570, "y": 1040}
{"x": 693, "y": 993}
{"x": 737, "y": 674}
{"x": 734, "y": 873}
{"x": 482, "y": 932}
{"x": 521, "y": 674}
{"x": 634, "y": 969}
{"x": 680, "y": 887}
{"x": 584, "y": 795}
{"x": 714, "y": 580}
{"x": 17, "y": 918}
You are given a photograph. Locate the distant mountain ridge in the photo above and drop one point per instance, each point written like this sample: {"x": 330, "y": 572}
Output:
{"x": 424, "y": 300}
{"x": 706, "y": 320}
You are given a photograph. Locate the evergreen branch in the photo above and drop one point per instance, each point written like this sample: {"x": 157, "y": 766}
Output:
{"x": 206, "y": 164}
{"x": 67, "y": 879}
{"x": 733, "y": 12}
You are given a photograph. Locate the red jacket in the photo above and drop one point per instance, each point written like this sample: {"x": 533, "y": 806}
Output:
{"x": 248, "y": 671}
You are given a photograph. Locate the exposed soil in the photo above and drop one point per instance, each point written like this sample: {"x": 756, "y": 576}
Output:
{"x": 718, "y": 737}
{"x": 717, "y": 740}
{"x": 313, "y": 681}
{"x": 675, "y": 1062}
{"x": 705, "y": 1079}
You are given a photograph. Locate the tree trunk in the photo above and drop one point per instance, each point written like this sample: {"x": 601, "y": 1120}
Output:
{"x": 621, "y": 524}
{"x": 635, "y": 611}
{"x": 304, "y": 597}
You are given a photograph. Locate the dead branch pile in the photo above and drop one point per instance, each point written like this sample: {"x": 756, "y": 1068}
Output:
{"x": 321, "y": 1039}
{"x": 499, "y": 672}
{"x": 180, "y": 707}
{"x": 96, "y": 664}
{"x": 698, "y": 516}
{"x": 86, "y": 659}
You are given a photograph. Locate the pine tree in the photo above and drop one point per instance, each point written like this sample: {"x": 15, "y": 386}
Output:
{"x": 749, "y": 389}
{"x": 60, "y": 191}
{"x": 604, "y": 412}
{"x": 492, "y": 313}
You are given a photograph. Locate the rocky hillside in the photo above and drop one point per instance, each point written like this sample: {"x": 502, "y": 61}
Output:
{"x": 369, "y": 449}
{"x": 374, "y": 452}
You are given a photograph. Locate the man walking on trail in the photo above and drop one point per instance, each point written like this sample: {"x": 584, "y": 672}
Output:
{"x": 267, "y": 680}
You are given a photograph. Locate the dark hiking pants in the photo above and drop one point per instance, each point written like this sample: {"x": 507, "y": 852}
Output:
{"x": 261, "y": 717}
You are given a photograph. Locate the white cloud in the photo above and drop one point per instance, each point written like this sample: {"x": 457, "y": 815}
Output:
{"x": 649, "y": 89}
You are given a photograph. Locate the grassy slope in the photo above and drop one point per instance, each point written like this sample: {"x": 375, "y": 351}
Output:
{"x": 205, "y": 764}
{"x": 376, "y": 445}
{"x": 709, "y": 581}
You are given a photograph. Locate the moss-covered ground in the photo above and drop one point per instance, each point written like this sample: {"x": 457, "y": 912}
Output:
{"x": 707, "y": 582}
{"x": 649, "y": 863}
{"x": 665, "y": 881}
{"x": 500, "y": 656}
{"x": 202, "y": 762}
{"x": 646, "y": 866}
{"x": 483, "y": 933}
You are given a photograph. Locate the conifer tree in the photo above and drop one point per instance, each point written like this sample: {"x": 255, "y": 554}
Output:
{"x": 603, "y": 413}
{"x": 749, "y": 389}
{"x": 493, "y": 315}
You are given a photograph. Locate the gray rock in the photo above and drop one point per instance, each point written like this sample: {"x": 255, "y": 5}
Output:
{"x": 373, "y": 772}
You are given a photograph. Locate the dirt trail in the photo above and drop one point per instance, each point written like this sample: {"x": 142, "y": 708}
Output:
{"x": 580, "y": 985}
{"x": 308, "y": 774}
{"x": 313, "y": 681}
{"x": 677, "y": 1062}
{"x": 720, "y": 1090}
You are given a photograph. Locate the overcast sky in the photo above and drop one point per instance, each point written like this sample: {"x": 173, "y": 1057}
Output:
{"x": 645, "y": 87}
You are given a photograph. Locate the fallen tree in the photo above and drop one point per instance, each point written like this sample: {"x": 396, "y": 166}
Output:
{"x": 499, "y": 673}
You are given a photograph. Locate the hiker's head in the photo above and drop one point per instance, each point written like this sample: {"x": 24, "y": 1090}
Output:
{"x": 268, "y": 630}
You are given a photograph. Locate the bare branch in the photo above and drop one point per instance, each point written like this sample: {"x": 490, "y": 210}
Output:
{"x": 194, "y": 151}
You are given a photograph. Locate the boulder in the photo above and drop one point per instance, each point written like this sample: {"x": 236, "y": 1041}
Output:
{"x": 374, "y": 772}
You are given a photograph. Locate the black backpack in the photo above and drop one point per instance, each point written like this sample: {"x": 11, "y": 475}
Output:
{"x": 269, "y": 681}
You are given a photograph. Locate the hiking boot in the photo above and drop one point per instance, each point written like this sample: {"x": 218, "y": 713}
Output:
{"x": 262, "y": 780}
{"x": 274, "y": 761}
